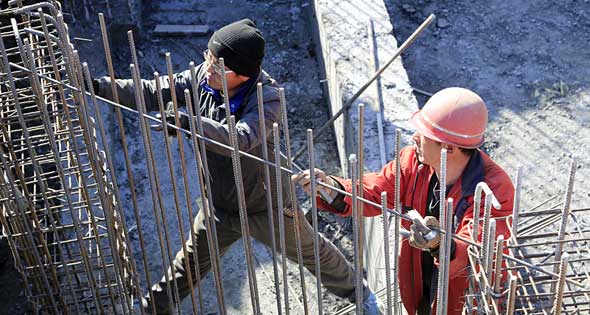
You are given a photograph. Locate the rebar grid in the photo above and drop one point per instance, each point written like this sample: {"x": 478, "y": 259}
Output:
{"x": 514, "y": 288}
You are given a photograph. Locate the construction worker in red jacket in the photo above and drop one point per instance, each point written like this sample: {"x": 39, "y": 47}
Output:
{"x": 455, "y": 119}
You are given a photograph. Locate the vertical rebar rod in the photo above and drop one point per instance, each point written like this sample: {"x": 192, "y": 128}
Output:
{"x": 360, "y": 216}
{"x": 565, "y": 213}
{"x": 270, "y": 210}
{"x": 233, "y": 139}
{"x": 128, "y": 166}
{"x": 150, "y": 157}
{"x": 154, "y": 185}
{"x": 488, "y": 256}
{"x": 314, "y": 217}
{"x": 205, "y": 188}
{"x": 293, "y": 199}
{"x": 188, "y": 200}
{"x": 498, "y": 263}
{"x": 112, "y": 222}
{"x": 442, "y": 278}
{"x": 397, "y": 221}
{"x": 88, "y": 127}
{"x": 516, "y": 205}
{"x": 176, "y": 198}
{"x": 448, "y": 224}
{"x": 560, "y": 284}
{"x": 385, "y": 214}
{"x": 352, "y": 165}
{"x": 511, "y": 295}
{"x": 183, "y": 168}
{"x": 243, "y": 215}
{"x": 485, "y": 227}
{"x": 281, "y": 209}
{"x": 476, "y": 212}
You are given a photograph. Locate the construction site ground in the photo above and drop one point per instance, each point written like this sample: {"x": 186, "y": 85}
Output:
{"x": 527, "y": 59}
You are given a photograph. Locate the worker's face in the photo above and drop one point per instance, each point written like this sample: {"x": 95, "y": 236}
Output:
{"x": 214, "y": 73}
{"x": 427, "y": 150}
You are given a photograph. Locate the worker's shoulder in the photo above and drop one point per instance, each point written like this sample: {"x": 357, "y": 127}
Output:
{"x": 494, "y": 175}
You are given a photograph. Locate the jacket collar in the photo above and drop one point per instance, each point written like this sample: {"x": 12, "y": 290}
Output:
{"x": 473, "y": 174}
{"x": 236, "y": 101}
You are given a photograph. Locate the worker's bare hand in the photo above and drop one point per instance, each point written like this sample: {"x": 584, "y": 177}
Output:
{"x": 421, "y": 236}
{"x": 304, "y": 179}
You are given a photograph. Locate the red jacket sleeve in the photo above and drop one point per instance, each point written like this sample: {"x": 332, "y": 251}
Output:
{"x": 374, "y": 184}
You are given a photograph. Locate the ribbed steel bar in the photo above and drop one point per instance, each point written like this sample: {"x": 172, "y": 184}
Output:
{"x": 293, "y": 199}
{"x": 154, "y": 184}
{"x": 352, "y": 165}
{"x": 386, "y": 246}
{"x": 564, "y": 217}
{"x": 244, "y": 216}
{"x": 200, "y": 153}
{"x": 188, "y": 200}
{"x": 314, "y": 217}
{"x": 441, "y": 305}
{"x": 446, "y": 243}
{"x": 270, "y": 210}
{"x": 183, "y": 168}
{"x": 397, "y": 221}
{"x": 360, "y": 215}
{"x": 498, "y": 264}
{"x": 96, "y": 167}
{"x": 171, "y": 168}
{"x": 119, "y": 232}
{"x": 281, "y": 209}
{"x": 560, "y": 284}
{"x": 128, "y": 167}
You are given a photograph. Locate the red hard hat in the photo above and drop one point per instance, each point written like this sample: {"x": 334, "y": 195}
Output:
{"x": 455, "y": 116}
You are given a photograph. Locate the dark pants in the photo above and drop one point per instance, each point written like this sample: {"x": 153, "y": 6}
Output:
{"x": 337, "y": 272}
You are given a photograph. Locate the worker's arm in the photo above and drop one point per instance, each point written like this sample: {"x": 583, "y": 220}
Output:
{"x": 373, "y": 185}
{"x": 126, "y": 90}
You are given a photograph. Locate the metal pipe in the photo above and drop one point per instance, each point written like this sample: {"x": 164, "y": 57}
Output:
{"x": 314, "y": 217}
{"x": 348, "y": 104}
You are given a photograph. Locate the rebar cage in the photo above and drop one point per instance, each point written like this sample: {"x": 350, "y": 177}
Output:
{"x": 58, "y": 203}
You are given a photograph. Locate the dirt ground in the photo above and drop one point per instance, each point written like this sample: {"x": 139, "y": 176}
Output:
{"x": 527, "y": 59}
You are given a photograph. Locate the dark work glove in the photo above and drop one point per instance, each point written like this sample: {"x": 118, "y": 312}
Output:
{"x": 171, "y": 120}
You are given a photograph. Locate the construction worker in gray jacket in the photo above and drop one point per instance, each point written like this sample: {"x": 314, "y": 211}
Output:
{"x": 242, "y": 47}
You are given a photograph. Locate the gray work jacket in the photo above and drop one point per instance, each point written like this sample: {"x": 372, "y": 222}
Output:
{"x": 215, "y": 127}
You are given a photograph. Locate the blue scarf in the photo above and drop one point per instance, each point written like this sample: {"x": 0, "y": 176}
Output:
{"x": 235, "y": 102}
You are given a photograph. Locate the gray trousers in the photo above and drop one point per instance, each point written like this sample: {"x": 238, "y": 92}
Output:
{"x": 337, "y": 273}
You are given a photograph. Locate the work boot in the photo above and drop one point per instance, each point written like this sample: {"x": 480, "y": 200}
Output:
{"x": 372, "y": 305}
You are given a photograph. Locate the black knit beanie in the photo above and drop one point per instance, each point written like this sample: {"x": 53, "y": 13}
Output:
{"x": 241, "y": 45}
